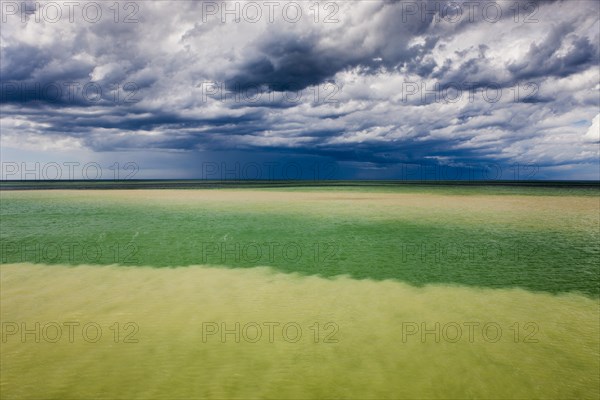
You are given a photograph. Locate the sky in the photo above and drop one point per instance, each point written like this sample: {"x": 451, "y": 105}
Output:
{"x": 409, "y": 90}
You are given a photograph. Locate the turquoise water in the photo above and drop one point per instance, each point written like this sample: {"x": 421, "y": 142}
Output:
{"x": 481, "y": 248}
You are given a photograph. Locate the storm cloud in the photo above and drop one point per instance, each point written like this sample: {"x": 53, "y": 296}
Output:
{"x": 371, "y": 86}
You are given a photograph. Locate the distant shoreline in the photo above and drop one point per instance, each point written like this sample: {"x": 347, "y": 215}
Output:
{"x": 241, "y": 184}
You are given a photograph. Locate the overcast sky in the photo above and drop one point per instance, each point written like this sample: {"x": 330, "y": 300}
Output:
{"x": 352, "y": 90}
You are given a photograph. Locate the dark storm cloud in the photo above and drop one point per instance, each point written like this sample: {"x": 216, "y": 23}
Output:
{"x": 21, "y": 62}
{"x": 286, "y": 64}
{"x": 335, "y": 90}
{"x": 542, "y": 59}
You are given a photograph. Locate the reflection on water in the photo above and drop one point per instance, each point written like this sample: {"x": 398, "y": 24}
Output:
{"x": 135, "y": 332}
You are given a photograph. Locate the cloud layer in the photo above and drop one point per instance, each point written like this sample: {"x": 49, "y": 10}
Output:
{"x": 370, "y": 85}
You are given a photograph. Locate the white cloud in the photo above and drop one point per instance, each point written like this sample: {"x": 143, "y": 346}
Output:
{"x": 593, "y": 132}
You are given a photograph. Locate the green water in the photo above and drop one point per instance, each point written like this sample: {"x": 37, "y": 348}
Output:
{"x": 377, "y": 279}
{"x": 549, "y": 251}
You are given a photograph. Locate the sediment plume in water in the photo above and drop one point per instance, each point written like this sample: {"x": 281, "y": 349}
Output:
{"x": 172, "y": 333}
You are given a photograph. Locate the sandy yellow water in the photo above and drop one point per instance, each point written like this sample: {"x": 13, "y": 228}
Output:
{"x": 361, "y": 354}
{"x": 537, "y": 212}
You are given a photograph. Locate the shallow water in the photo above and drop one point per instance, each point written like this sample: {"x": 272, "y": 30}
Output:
{"x": 437, "y": 294}
{"x": 541, "y": 243}
{"x": 372, "y": 348}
